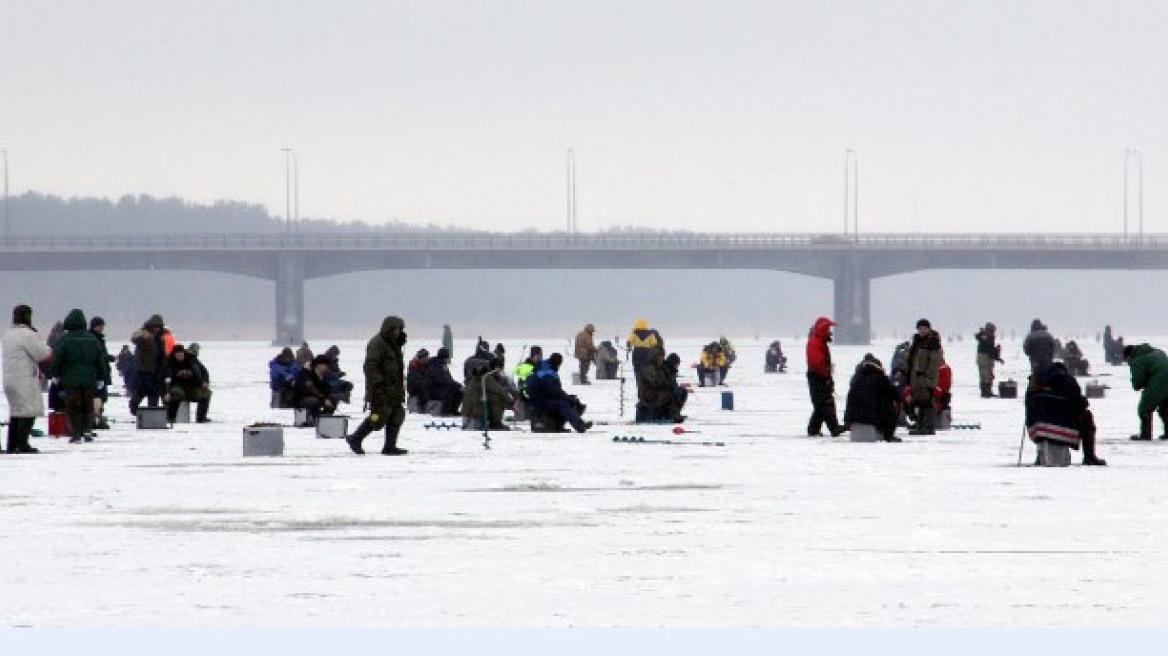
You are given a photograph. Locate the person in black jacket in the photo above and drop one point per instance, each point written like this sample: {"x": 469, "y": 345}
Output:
{"x": 988, "y": 352}
{"x": 872, "y": 399}
{"x": 311, "y": 391}
{"x": 203, "y": 394}
{"x": 441, "y": 386}
{"x": 1055, "y": 401}
{"x": 101, "y": 395}
{"x": 183, "y": 383}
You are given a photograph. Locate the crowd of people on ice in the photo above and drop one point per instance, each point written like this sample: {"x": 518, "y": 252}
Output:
{"x": 71, "y": 367}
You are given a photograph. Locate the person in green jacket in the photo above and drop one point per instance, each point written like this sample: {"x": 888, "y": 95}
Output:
{"x": 385, "y": 388}
{"x": 1149, "y": 372}
{"x": 79, "y": 364}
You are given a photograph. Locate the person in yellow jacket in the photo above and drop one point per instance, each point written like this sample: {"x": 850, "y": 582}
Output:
{"x": 712, "y": 364}
{"x": 642, "y": 343}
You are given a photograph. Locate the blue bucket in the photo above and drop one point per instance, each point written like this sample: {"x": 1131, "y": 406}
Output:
{"x": 727, "y": 400}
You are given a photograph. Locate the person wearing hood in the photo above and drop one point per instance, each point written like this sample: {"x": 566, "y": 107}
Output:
{"x": 988, "y": 352}
{"x": 1149, "y": 375}
{"x": 149, "y": 363}
{"x": 498, "y": 398}
{"x": 481, "y": 357}
{"x": 1039, "y": 346}
{"x": 24, "y": 352}
{"x": 607, "y": 361}
{"x": 441, "y": 386}
{"x": 712, "y": 364}
{"x": 642, "y": 342}
{"x": 924, "y": 370}
{"x": 416, "y": 381}
{"x": 184, "y": 380}
{"x": 340, "y": 388}
{"x": 282, "y": 373}
{"x": 203, "y": 394}
{"x": 1056, "y": 409}
{"x": 548, "y": 395}
{"x": 585, "y": 350}
{"x": 304, "y": 356}
{"x": 79, "y": 366}
{"x": 872, "y": 400}
{"x": 385, "y": 390}
{"x": 776, "y": 362}
{"x": 819, "y": 380}
{"x": 658, "y": 399}
{"x": 101, "y": 396}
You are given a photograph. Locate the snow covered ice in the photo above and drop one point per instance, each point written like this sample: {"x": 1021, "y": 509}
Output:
{"x": 175, "y": 528}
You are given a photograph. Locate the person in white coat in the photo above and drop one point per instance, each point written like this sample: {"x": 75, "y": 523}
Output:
{"x": 24, "y": 349}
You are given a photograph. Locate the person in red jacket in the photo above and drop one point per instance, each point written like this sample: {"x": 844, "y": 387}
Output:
{"x": 819, "y": 380}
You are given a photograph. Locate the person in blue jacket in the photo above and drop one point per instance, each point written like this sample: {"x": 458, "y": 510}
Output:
{"x": 547, "y": 394}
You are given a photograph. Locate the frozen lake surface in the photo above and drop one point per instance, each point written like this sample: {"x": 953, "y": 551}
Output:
{"x": 175, "y": 528}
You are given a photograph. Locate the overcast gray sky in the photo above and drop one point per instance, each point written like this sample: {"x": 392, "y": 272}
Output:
{"x": 982, "y": 115}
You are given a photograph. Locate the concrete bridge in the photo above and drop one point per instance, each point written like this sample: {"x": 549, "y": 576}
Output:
{"x": 851, "y": 262}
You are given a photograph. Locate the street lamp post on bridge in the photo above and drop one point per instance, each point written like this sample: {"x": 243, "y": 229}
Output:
{"x": 291, "y": 186}
{"x": 851, "y": 191}
{"x": 1129, "y": 156}
{"x": 7, "y": 217}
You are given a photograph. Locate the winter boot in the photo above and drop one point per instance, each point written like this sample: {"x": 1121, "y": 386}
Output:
{"x": 1145, "y": 428}
{"x": 583, "y": 427}
{"x": 987, "y": 390}
{"x": 390, "y": 448}
{"x": 1089, "y": 457}
{"x": 359, "y": 436}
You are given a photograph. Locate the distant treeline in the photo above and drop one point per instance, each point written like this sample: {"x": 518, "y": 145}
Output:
{"x": 35, "y": 214}
{"x": 40, "y": 214}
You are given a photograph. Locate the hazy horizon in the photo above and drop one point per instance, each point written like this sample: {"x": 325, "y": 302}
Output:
{"x": 965, "y": 117}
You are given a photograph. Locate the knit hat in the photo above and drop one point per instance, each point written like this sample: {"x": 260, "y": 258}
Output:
{"x": 95, "y": 322}
{"x": 556, "y": 360}
{"x": 1037, "y": 325}
{"x": 22, "y": 315}
{"x": 193, "y": 349}
{"x": 422, "y": 354}
{"x": 321, "y": 359}
{"x": 924, "y": 322}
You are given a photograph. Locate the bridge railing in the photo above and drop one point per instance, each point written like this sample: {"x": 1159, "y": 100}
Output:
{"x": 562, "y": 241}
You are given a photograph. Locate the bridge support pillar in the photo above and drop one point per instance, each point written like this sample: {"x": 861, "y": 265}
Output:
{"x": 289, "y": 299}
{"x": 853, "y": 307}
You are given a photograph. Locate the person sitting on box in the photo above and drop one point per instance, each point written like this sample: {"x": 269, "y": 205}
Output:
{"x": 313, "y": 393}
{"x": 282, "y": 372}
{"x": 872, "y": 399}
{"x": 1057, "y": 410}
{"x": 183, "y": 381}
{"x": 547, "y": 395}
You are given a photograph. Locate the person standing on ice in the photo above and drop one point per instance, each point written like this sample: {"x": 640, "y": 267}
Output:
{"x": 149, "y": 363}
{"x": 819, "y": 380}
{"x": 585, "y": 351}
{"x": 642, "y": 342}
{"x": 24, "y": 351}
{"x": 988, "y": 352}
{"x": 79, "y": 364}
{"x": 385, "y": 388}
{"x": 924, "y": 374}
{"x": 1149, "y": 374}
